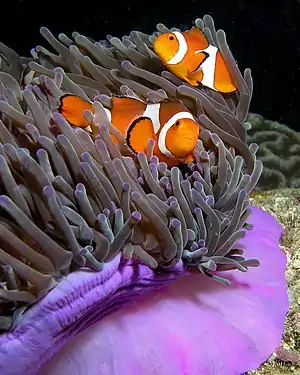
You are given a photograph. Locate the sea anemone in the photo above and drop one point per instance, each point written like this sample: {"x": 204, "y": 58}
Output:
{"x": 100, "y": 226}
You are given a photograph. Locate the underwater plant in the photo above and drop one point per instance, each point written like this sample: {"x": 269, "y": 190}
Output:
{"x": 87, "y": 225}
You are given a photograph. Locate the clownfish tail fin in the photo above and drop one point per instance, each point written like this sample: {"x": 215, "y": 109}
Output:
{"x": 71, "y": 107}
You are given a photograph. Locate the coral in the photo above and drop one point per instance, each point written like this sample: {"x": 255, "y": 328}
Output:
{"x": 279, "y": 150}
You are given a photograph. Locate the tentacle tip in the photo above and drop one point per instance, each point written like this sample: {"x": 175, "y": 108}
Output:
{"x": 136, "y": 216}
{"x": 126, "y": 187}
{"x": 49, "y": 192}
{"x": 175, "y": 223}
{"x": 126, "y": 64}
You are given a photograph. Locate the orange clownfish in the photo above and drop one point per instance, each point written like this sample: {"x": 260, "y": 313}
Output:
{"x": 190, "y": 57}
{"x": 169, "y": 123}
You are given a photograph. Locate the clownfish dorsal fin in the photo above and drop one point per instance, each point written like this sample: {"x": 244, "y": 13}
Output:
{"x": 196, "y": 39}
{"x": 169, "y": 107}
{"x": 170, "y": 100}
{"x": 126, "y": 102}
{"x": 198, "y": 34}
{"x": 173, "y": 103}
{"x": 139, "y": 133}
{"x": 72, "y": 108}
{"x": 124, "y": 106}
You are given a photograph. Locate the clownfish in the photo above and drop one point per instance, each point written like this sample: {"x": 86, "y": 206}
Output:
{"x": 190, "y": 57}
{"x": 169, "y": 123}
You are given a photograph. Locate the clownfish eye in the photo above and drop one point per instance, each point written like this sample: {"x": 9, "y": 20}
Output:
{"x": 171, "y": 37}
{"x": 177, "y": 123}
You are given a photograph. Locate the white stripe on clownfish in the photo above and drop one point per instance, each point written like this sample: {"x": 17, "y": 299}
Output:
{"x": 152, "y": 111}
{"x": 163, "y": 133}
{"x": 182, "y": 49}
{"x": 208, "y": 67}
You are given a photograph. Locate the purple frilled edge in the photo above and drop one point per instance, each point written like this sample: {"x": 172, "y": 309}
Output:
{"x": 192, "y": 325}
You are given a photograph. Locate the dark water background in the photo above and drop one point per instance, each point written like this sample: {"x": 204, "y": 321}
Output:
{"x": 263, "y": 35}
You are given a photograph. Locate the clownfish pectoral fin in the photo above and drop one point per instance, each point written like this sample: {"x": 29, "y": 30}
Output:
{"x": 189, "y": 159}
{"x": 194, "y": 78}
{"x": 139, "y": 133}
{"x": 197, "y": 60}
{"x": 72, "y": 108}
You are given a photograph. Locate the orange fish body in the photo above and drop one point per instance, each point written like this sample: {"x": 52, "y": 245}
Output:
{"x": 190, "y": 57}
{"x": 169, "y": 123}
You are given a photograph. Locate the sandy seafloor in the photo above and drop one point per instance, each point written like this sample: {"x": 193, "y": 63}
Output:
{"x": 284, "y": 205}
